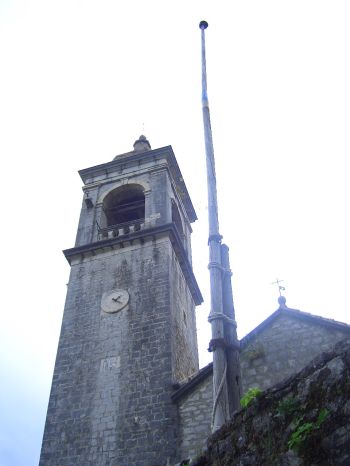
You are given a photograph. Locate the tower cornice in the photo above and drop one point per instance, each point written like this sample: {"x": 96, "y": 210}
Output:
{"x": 98, "y": 247}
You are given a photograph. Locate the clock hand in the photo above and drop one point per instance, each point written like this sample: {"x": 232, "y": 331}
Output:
{"x": 117, "y": 299}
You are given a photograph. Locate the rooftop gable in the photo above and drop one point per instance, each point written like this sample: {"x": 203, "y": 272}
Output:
{"x": 283, "y": 310}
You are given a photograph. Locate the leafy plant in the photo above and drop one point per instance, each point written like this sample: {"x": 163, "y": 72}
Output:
{"x": 322, "y": 416}
{"x": 248, "y": 397}
{"x": 304, "y": 429}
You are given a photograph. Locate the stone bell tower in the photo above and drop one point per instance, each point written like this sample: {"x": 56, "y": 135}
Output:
{"x": 128, "y": 334}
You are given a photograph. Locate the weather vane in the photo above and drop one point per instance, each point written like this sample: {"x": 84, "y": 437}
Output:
{"x": 280, "y": 288}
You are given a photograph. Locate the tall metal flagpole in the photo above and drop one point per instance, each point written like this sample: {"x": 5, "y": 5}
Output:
{"x": 216, "y": 317}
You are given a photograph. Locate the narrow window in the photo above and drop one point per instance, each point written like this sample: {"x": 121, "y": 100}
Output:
{"x": 176, "y": 219}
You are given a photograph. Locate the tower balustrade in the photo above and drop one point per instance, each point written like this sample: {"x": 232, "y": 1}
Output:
{"x": 120, "y": 229}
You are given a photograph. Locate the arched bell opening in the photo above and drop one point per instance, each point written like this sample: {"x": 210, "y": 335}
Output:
{"x": 124, "y": 207}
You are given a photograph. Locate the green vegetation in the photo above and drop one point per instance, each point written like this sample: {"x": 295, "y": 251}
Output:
{"x": 304, "y": 429}
{"x": 248, "y": 397}
{"x": 298, "y": 437}
{"x": 322, "y": 416}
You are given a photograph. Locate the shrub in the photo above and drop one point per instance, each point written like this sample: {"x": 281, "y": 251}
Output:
{"x": 248, "y": 397}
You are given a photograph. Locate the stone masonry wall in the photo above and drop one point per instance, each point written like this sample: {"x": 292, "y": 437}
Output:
{"x": 110, "y": 402}
{"x": 195, "y": 419}
{"x": 279, "y": 351}
{"x": 283, "y": 348}
{"x": 301, "y": 422}
{"x": 183, "y": 328}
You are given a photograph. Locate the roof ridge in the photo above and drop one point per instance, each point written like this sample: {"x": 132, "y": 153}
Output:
{"x": 293, "y": 313}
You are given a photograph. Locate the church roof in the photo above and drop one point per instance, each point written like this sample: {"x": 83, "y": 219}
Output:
{"x": 187, "y": 387}
{"x": 294, "y": 313}
{"x": 283, "y": 310}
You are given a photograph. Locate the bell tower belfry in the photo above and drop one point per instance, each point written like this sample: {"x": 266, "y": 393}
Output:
{"x": 128, "y": 333}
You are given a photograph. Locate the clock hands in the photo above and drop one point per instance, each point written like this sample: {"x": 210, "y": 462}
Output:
{"x": 117, "y": 299}
{"x": 114, "y": 301}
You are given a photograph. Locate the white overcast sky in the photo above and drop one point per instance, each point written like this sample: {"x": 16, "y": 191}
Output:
{"x": 80, "y": 80}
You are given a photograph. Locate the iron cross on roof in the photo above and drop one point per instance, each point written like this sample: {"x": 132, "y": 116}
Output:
{"x": 280, "y": 288}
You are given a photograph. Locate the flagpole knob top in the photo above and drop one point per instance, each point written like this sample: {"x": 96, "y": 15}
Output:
{"x": 203, "y": 25}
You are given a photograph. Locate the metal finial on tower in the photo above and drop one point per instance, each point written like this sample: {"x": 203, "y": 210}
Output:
{"x": 224, "y": 344}
{"x": 282, "y": 302}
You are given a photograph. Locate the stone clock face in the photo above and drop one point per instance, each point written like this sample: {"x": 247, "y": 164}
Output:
{"x": 114, "y": 301}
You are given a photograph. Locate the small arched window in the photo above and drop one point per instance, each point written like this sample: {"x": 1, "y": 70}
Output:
{"x": 124, "y": 204}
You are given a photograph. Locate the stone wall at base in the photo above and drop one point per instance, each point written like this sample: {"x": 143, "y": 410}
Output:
{"x": 195, "y": 418}
{"x": 279, "y": 350}
{"x": 302, "y": 421}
